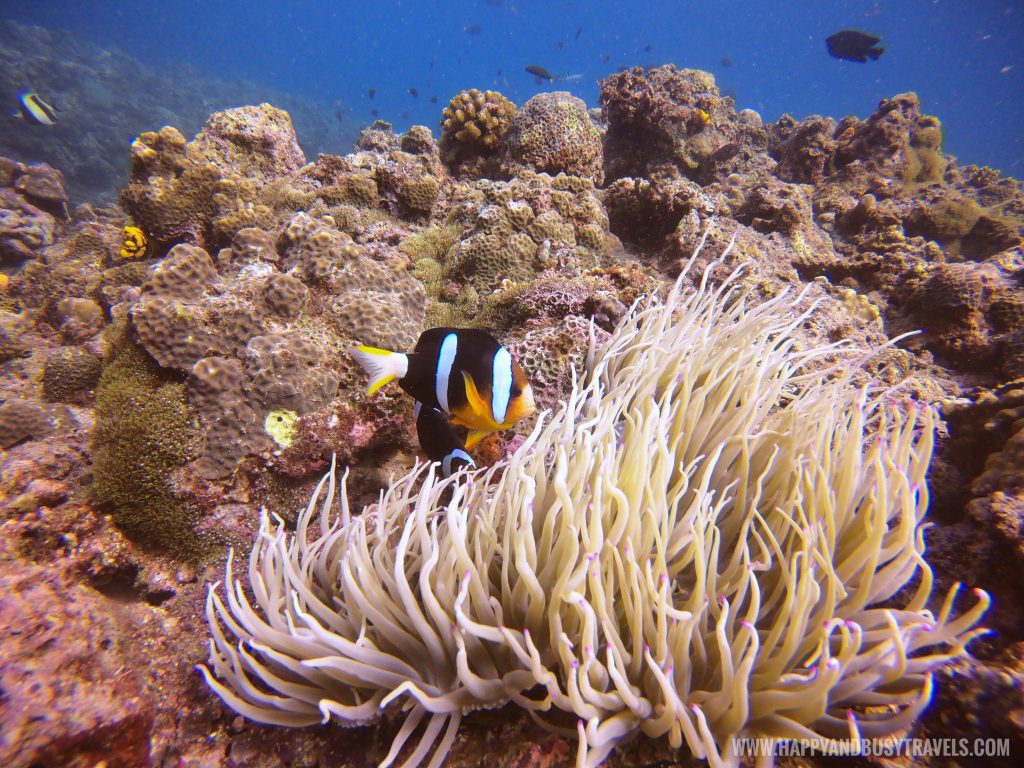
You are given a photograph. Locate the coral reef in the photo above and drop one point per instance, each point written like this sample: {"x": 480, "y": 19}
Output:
{"x": 106, "y": 97}
{"x": 32, "y": 199}
{"x": 151, "y": 406}
{"x": 474, "y": 123}
{"x": 634, "y": 607}
{"x": 553, "y": 133}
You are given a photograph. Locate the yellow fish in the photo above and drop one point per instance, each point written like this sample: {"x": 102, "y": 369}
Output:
{"x": 135, "y": 245}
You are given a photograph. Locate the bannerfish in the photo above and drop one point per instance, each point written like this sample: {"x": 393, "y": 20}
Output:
{"x": 34, "y": 109}
{"x": 854, "y": 45}
{"x": 439, "y": 441}
{"x": 462, "y": 372}
{"x": 134, "y": 244}
{"x": 414, "y": 93}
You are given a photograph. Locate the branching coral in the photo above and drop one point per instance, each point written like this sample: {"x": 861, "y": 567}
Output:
{"x": 709, "y": 539}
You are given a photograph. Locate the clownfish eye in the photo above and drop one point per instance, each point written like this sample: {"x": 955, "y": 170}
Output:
{"x": 517, "y": 391}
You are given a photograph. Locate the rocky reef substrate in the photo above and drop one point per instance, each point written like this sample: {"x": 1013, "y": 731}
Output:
{"x": 106, "y": 98}
{"x": 149, "y": 407}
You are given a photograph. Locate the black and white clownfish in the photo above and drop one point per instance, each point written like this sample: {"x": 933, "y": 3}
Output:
{"x": 34, "y": 109}
{"x": 439, "y": 441}
{"x": 462, "y": 372}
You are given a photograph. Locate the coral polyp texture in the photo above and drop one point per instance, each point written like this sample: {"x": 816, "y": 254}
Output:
{"x": 477, "y": 117}
{"x": 553, "y": 132}
{"x": 718, "y": 534}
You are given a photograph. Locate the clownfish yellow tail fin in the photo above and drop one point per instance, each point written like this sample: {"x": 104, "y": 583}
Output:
{"x": 381, "y": 365}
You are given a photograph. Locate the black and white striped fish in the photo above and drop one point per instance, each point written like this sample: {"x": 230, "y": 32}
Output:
{"x": 462, "y": 372}
{"x": 34, "y": 109}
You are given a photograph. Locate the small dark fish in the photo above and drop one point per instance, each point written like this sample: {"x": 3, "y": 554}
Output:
{"x": 375, "y": 112}
{"x": 854, "y": 45}
{"x": 578, "y": 31}
{"x": 723, "y": 153}
{"x": 337, "y": 114}
{"x": 405, "y": 115}
{"x": 372, "y": 92}
{"x": 433, "y": 99}
{"x": 540, "y": 72}
{"x": 498, "y": 73}
{"x": 648, "y": 48}
{"x": 726, "y": 61}
{"x": 414, "y": 93}
{"x": 432, "y": 60}
{"x": 472, "y": 29}
{"x": 606, "y": 57}
{"x": 559, "y": 45}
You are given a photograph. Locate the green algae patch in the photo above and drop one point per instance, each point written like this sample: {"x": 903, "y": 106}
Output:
{"x": 143, "y": 433}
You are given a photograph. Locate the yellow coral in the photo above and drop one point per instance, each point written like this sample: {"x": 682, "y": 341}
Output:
{"x": 280, "y": 425}
{"x": 477, "y": 118}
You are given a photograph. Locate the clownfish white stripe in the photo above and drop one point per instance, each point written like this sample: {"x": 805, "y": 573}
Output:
{"x": 501, "y": 384}
{"x": 445, "y": 361}
{"x": 446, "y": 463}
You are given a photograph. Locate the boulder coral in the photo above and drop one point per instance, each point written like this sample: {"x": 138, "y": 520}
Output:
{"x": 553, "y": 133}
{"x": 709, "y": 540}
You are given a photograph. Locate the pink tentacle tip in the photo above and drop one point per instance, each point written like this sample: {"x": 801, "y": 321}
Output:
{"x": 695, "y": 708}
{"x": 574, "y": 664}
{"x": 467, "y": 574}
{"x": 647, "y": 648}
{"x": 747, "y": 625}
{"x": 588, "y": 651}
{"x": 591, "y": 557}
{"x": 851, "y": 716}
{"x": 526, "y": 632}
{"x": 722, "y": 600}
{"x": 853, "y": 626}
{"x": 833, "y": 663}
{"x": 979, "y": 593}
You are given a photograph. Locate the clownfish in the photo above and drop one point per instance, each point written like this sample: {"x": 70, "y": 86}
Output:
{"x": 134, "y": 244}
{"x": 33, "y": 109}
{"x": 439, "y": 441}
{"x": 461, "y": 372}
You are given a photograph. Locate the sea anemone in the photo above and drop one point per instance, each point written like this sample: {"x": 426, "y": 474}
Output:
{"x": 709, "y": 539}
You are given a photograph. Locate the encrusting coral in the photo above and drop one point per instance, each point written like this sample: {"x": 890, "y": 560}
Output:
{"x": 709, "y": 539}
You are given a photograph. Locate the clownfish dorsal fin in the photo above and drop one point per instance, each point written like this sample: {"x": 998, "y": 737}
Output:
{"x": 474, "y": 438}
{"x": 381, "y": 365}
{"x": 476, "y": 402}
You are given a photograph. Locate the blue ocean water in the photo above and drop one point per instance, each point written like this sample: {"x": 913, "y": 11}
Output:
{"x": 964, "y": 58}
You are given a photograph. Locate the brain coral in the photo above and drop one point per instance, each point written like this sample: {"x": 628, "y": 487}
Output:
{"x": 553, "y": 132}
{"x": 709, "y": 540}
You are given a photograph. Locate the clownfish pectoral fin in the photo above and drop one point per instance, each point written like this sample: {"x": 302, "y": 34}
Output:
{"x": 381, "y": 365}
{"x": 476, "y": 403}
{"x": 474, "y": 438}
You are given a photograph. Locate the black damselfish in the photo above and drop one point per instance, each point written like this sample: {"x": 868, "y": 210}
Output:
{"x": 854, "y": 45}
